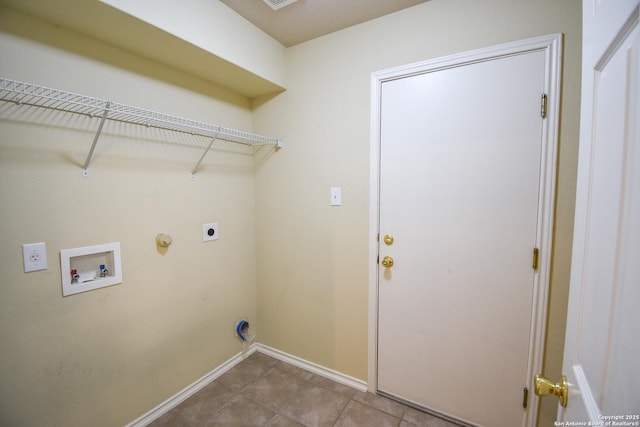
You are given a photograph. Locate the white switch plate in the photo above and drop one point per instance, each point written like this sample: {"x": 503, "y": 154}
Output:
{"x": 336, "y": 196}
{"x": 209, "y": 231}
{"x": 34, "y": 257}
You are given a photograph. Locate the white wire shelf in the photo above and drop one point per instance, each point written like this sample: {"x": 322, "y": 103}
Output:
{"x": 40, "y": 96}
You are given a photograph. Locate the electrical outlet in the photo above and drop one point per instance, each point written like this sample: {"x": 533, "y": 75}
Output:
{"x": 34, "y": 257}
{"x": 209, "y": 232}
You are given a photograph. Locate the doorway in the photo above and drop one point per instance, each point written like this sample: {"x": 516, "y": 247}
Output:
{"x": 463, "y": 175}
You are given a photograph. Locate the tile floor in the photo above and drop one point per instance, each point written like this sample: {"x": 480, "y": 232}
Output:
{"x": 263, "y": 391}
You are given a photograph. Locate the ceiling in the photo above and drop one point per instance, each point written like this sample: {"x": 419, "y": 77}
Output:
{"x": 304, "y": 20}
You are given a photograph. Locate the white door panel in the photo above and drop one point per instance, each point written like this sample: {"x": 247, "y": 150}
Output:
{"x": 602, "y": 345}
{"x": 460, "y": 173}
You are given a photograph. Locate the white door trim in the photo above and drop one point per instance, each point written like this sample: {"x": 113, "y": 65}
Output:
{"x": 552, "y": 45}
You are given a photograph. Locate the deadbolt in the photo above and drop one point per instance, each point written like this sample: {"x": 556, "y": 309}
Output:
{"x": 388, "y": 239}
{"x": 545, "y": 387}
{"x": 387, "y": 262}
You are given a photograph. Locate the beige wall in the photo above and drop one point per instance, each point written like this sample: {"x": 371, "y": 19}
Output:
{"x": 105, "y": 357}
{"x": 312, "y": 258}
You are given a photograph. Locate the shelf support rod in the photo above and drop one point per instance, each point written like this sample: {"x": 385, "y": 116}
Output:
{"x": 213, "y": 139}
{"x": 85, "y": 168}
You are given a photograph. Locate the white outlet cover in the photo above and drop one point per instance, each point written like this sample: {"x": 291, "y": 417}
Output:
{"x": 34, "y": 257}
{"x": 209, "y": 231}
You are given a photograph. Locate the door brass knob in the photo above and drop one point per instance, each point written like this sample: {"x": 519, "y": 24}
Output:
{"x": 387, "y": 262}
{"x": 545, "y": 387}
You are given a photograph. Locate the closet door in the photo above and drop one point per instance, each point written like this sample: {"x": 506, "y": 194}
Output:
{"x": 601, "y": 347}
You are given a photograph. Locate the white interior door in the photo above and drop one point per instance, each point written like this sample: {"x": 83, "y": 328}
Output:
{"x": 602, "y": 346}
{"x": 462, "y": 155}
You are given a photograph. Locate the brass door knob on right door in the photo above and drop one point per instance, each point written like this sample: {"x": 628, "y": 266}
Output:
{"x": 545, "y": 387}
{"x": 387, "y": 262}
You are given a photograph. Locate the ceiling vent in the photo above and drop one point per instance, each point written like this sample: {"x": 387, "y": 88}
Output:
{"x": 277, "y": 4}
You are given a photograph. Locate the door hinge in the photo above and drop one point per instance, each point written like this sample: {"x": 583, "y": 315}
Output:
{"x": 525, "y": 397}
{"x": 543, "y": 106}
{"x": 534, "y": 264}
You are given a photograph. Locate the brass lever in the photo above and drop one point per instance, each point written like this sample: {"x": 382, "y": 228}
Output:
{"x": 545, "y": 387}
{"x": 387, "y": 262}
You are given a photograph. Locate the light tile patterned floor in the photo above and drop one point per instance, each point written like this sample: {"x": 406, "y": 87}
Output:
{"x": 263, "y": 391}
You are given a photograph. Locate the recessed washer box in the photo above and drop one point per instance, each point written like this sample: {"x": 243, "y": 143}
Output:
{"x": 90, "y": 267}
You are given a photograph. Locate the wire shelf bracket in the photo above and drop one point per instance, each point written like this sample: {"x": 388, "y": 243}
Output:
{"x": 195, "y": 168}
{"x": 85, "y": 168}
{"x": 23, "y": 93}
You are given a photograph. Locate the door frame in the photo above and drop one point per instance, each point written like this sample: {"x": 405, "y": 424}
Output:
{"x": 552, "y": 46}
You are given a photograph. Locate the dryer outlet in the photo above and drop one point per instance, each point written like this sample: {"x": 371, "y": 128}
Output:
{"x": 209, "y": 231}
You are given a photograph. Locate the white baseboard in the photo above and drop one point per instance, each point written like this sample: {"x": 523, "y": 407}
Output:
{"x": 312, "y": 367}
{"x": 198, "y": 385}
{"x": 190, "y": 390}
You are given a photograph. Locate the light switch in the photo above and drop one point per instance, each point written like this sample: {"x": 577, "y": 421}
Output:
{"x": 336, "y": 196}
